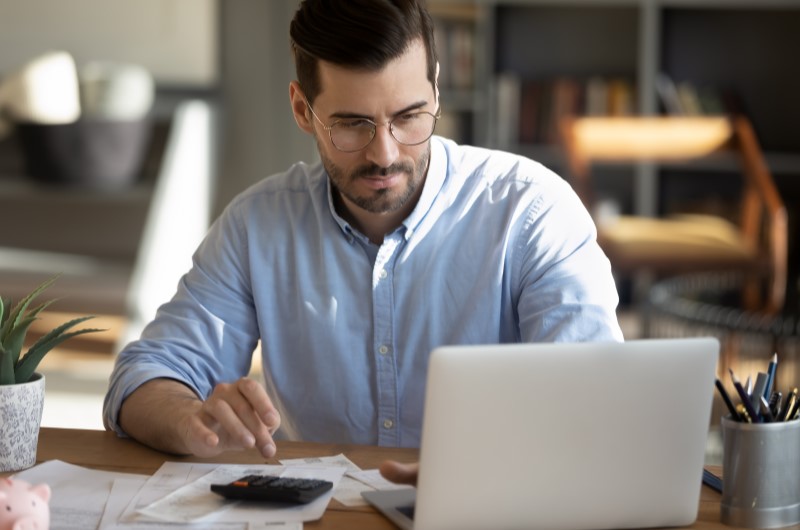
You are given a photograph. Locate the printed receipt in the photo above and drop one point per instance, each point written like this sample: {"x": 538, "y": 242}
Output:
{"x": 195, "y": 502}
{"x": 348, "y": 491}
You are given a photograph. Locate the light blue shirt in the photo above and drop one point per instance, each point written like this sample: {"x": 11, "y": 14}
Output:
{"x": 499, "y": 249}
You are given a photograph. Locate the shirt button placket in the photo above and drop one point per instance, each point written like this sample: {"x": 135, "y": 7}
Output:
{"x": 383, "y": 313}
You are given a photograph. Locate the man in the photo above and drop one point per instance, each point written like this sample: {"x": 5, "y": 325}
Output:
{"x": 351, "y": 271}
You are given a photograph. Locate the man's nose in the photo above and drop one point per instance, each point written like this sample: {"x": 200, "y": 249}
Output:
{"x": 383, "y": 150}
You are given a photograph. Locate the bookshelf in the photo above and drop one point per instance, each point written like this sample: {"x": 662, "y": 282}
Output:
{"x": 742, "y": 52}
{"x": 743, "y": 47}
{"x": 461, "y": 45}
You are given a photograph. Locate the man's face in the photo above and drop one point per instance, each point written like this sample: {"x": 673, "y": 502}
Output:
{"x": 386, "y": 176}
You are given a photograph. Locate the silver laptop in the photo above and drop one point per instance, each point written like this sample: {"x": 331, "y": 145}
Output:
{"x": 552, "y": 436}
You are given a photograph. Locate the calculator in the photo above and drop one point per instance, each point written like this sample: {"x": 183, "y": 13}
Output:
{"x": 269, "y": 488}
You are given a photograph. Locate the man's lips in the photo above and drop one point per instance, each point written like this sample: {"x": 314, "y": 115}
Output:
{"x": 380, "y": 181}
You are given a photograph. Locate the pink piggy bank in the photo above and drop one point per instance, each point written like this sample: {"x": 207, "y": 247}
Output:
{"x": 22, "y": 506}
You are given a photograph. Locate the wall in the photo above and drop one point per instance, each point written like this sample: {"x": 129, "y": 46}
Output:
{"x": 260, "y": 135}
{"x": 175, "y": 39}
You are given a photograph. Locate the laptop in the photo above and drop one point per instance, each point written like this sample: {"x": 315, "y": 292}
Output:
{"x": 561, "y": 436}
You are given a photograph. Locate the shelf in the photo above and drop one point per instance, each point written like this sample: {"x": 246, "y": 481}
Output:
{"x": 742, "y": 46}
{"x": 549, "y": 40}
{"x": 748, "y": 51}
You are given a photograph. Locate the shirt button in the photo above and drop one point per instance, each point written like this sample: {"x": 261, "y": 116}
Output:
{"x": 388, "y": 424}
{"x": 384, "y": 349}
{"x": 383, "y": 274}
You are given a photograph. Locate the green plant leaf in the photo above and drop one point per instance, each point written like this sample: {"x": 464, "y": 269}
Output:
{"x": 19, "y": 310}
{"x": 27, "y": 365}
{"x": 6, "y": 368}
{"x": 2, "y": 310}
{"x": 6, "y": 306}
{"x": 16, "y": 337}
{"x": 15, "y": 340}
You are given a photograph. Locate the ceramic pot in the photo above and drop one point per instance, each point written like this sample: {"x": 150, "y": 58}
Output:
{"x": 20, "y": 418}
{"x": 89, "y": 153}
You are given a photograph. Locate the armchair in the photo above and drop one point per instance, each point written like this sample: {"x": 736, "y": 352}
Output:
{"x": 755, "y": 243}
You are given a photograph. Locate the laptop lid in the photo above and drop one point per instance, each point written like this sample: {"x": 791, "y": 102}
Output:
{"x": 579, "y": 436}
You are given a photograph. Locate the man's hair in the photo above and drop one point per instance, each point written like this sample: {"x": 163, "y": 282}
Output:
{"x": 358, "y": 34}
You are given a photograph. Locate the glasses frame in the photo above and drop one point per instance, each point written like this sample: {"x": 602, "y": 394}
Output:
{"x": 375, "y": 125}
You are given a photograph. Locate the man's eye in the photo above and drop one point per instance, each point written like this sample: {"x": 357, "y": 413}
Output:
{"x": 354, "y": 124}
{"x": 411, "y": 116}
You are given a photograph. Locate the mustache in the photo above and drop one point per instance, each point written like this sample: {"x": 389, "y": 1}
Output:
{"x": 373, "y": 170}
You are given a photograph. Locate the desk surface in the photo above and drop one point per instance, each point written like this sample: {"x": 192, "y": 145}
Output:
{"x": 104, "y": 450}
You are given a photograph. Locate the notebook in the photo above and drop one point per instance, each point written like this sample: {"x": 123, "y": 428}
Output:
{"x": 557, "y": 436}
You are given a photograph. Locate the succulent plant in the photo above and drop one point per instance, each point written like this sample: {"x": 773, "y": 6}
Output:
{"x": 14, "y": 325}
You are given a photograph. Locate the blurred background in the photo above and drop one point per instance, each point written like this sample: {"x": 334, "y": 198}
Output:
{"x": 186, "y": 104}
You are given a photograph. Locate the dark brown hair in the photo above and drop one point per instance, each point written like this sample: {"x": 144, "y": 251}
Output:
{"x": 358, "y": 34}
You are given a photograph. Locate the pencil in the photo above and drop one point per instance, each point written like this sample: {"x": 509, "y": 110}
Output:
{"x": 771, "y": 369}
{"x": 727, "y": 399}
{"x": 748, "y": 405}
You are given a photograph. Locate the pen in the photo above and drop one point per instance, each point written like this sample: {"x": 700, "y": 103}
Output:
{"x": 712, "y": 481}
{"x": 790, "y": 407}
{"x": 771, "y": 369}
{"x": 727, "y": 399}
{"x": 793, "y": 414}
{"x": 742, "y": 413}
{"x": 775, "y": 403}
{"x": 748, "y": 405}
{"x": 765, "y": 411}
{"x": 758, "y": 390}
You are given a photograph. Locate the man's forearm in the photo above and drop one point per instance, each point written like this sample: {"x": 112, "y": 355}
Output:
{"x": 157, "y": 413}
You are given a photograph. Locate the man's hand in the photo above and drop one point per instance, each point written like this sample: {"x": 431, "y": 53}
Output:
{"x": 167, "y": 415}
{"x": 236, "y": 415}
{"x": 400, "y": 473}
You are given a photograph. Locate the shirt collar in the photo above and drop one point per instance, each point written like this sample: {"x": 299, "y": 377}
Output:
{"x": 437, "y": 171}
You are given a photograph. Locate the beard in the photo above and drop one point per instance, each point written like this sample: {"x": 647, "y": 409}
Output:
{"x": 384, "y": 200}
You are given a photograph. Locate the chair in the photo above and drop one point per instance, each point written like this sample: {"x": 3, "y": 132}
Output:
{"x": 755, "y": 244}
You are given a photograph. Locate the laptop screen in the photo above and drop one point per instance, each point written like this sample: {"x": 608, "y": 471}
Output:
{"x": 589, "y": 435}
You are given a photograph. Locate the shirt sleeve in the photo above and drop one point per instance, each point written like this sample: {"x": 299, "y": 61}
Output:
{"x": 567, "y": 291}
{"x": 205, "y": 334}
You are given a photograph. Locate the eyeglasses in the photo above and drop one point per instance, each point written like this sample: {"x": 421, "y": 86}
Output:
{"x": 354, "y": 134}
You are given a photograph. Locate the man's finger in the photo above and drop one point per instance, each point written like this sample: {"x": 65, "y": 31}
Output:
{"x": 258, "y": 399}
{"x": 232, "y": 425}
{"x": 400, "y": 473}
{"x": 259, "y": 415}
{"x": 201, "y": 440}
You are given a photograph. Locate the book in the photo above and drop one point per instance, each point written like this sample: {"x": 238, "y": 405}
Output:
{"x": 530, "y": 102}
{"x": 508, "y": 89}
{"x": 596, "y": 97}
{"x": 690, "y": 101}
{"x": 668, "y": 93}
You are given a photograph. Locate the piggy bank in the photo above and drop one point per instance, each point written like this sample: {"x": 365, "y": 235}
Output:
{"x": 23, "y": 506}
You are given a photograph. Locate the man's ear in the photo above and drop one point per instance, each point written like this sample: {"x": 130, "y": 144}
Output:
{"x": 300, "y": 108}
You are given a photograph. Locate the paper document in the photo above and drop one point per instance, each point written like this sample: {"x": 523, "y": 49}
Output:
{"x": 355, "y": 481}
{"x": 124, "y": 490}
{"x": 195, "y": 502}
{"x": 348, "y": 491}
{"x": 79, "y": 494}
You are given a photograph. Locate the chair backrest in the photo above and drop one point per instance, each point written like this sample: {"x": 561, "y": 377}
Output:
{"x": 618, "y": 140}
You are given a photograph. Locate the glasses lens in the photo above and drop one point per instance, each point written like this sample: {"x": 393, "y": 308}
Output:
{"x": 413, "y": 128}
{"x": 352, "y": 135}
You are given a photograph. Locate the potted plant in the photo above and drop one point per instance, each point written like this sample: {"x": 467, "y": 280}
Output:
{"x": 21, "y": 387}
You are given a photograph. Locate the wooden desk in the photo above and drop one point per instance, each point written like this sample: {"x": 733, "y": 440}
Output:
{"x": 104, "y": 450}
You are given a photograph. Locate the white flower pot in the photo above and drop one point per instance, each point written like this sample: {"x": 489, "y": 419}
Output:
{"x": 20, "y": 418}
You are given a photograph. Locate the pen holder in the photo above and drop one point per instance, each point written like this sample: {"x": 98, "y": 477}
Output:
{"x": 761, "y": 474}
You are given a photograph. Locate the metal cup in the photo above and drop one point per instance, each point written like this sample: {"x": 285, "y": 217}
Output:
{"x": 761, "y": 474}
